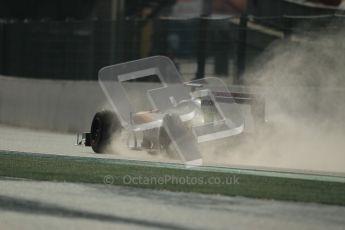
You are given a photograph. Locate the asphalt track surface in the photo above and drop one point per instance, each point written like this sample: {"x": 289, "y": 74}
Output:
{"x": 37, "y": 141}
{"x": 45, "y": 142}
{"x": 48, "y": 205}
{"x": 51, "y": 205}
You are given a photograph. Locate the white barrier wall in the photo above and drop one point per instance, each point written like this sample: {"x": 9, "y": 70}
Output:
{"x": 58, "y": 105}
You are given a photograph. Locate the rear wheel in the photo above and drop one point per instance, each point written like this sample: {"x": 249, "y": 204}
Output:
{"x": 165, "y": 143}
{"x": 105, "y": 125}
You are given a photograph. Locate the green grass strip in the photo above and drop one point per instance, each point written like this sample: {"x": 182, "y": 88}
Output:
{"x": 174, "y": 177}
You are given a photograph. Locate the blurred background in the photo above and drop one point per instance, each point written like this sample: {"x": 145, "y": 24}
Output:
{"x": 73, "y": 39}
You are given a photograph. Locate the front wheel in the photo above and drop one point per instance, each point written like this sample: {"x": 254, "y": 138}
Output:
{"x": 105, "y": 125}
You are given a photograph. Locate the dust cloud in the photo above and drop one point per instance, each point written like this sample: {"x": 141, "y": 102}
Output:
{"x": 303, "y": 79}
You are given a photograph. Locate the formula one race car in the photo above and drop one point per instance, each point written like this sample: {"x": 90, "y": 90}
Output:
{"x": 162, "y": 113}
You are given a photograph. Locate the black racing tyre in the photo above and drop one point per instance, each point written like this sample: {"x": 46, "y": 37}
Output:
{"x": 165, "y": 144}
{"x": 105, "y": 125}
